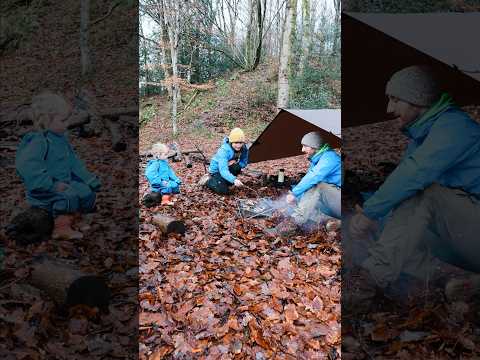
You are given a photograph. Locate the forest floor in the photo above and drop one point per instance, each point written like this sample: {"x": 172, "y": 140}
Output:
{"x": 48, "y": 58}
{"x": 226, "y": 290}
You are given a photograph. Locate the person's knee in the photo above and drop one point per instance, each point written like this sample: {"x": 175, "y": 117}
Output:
{"x": 87, "y": 203}
{"x": 235, "y": 169}
{"x": 218, "y": 186}
{"x": 63, "y": 206}
{"x": 322, "y": 186}
{"x": 433, "y": 190}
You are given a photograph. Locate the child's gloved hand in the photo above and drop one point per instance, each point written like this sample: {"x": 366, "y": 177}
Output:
{"x": 95, "y": 184}
{"x": 61, "y": 186}
{"x": 232, "y": 162}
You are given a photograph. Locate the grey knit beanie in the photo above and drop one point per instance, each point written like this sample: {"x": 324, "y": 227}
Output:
{"x": 313, "y": 139}
{"x": 415, "y": 85}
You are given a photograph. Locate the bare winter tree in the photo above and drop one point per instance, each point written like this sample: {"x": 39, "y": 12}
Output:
{"x": 170, "y": 16}
{"x": 283, "y": 69}
{"x": 306, "y": 34}
{"x": 173, "y": 14}
{"x": 336, "y": 35}
{"x": 84, "y": 30}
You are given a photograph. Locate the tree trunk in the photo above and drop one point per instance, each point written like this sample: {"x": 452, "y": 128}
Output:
{"x": 293, "y": 39}
{"x": 164, "y": 58}
{"x": 84, "y": 50}
{"x": 172, "y": 16}
{"x": 261, "y": 18}
{"x": 248, "y": 39}
{"x": 306, "y": 35}
{"x": 336, "y": 35}
{"x": 144, "y": 53}
{"x": 283, "y": 86}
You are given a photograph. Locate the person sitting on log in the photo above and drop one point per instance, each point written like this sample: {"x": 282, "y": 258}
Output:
{"x": 227, "y": 163}
{"x": 429, "y": 206}
{"x": 317, "y": 197}
{"x": 54, "y": 177}
{"x": 162, "y": 179}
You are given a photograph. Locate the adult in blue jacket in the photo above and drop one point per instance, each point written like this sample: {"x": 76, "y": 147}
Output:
{"x": 430, "y": 204}
{"x": 161, "y": 177}
{"x": 228, "y": 162}
{"x": 54, "y": 177}
{"x": 317, "y": 197}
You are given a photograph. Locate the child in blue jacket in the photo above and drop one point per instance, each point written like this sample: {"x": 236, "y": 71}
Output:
{"x": 228, "y": 162}
{"x": 162, "y": 179}
{"x": 54, "y": 177}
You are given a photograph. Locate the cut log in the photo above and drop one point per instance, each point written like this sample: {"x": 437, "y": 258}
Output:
{"x": 188, "y": 161}
{"x": 67, "y": 285}
{"x": 116, "y": 113}
{"x": 178, "y": 152}
{"x": 168, "y": 224}
{"x": 116, "y": 136}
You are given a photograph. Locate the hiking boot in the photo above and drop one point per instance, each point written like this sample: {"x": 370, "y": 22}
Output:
{"x": 204, "y": 179}
{"x": 151, "y": 199}
{"x": 62, "y": 229}
{"x": 462, "y": 289}
{"x": 167, "y": 200}
{"x": 358, "y": 291}
{"x": 405, "y": 289}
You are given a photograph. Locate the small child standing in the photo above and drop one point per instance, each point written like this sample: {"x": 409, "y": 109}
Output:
{"x": 54, "y": 177}
{"x": 162, "y": 179}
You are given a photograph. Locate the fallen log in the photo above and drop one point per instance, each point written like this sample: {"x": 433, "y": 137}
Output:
{"x": 168, "y": 224}
{"x": 69, "y": 286}
{"x": 116, "y": 113}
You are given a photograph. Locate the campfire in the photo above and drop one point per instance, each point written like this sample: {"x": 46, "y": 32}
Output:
{"x": 255, "y": 208}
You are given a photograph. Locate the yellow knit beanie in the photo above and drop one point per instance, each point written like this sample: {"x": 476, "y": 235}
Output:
{"x": 236, "y": 135}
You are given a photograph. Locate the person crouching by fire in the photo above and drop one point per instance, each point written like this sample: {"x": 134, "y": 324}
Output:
{"x": 317, "y": 197}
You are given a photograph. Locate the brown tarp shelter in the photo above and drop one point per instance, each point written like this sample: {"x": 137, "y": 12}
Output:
{"x": 282, "y": 136}
{"x": 374, "y": 46}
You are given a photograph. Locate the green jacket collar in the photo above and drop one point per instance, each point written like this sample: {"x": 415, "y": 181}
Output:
{"x": 417, "y": 128}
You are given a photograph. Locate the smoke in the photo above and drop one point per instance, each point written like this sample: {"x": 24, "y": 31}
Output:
{"x": 278, "y": 205}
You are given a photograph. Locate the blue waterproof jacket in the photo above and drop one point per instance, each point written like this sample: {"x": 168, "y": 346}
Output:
{"x": 444, "y": 148}
{"x": 219, "y": 162}
{"x": 45, "y": 158}
{"x": 160, "y": 175}
{"x": 325, "y": 167}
